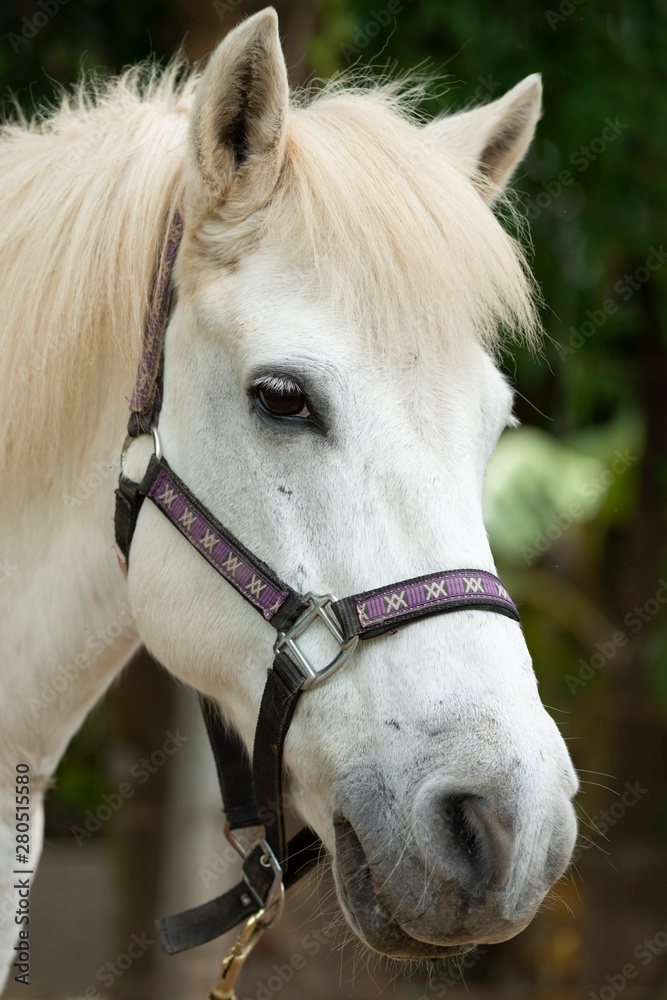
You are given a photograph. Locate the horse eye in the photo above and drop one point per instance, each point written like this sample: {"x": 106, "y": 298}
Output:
{"x": 283, "y": 402}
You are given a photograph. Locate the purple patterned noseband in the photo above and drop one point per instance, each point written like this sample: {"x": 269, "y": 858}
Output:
{"x": 252, "y": 792}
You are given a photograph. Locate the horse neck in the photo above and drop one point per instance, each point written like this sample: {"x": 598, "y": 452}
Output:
{"x": 68, "y": 628}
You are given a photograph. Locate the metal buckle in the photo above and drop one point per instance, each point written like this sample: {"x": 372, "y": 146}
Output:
{"x": 272, "y": 907}
{"x": 157, "y": 447}
{"x": 287, "y": 640}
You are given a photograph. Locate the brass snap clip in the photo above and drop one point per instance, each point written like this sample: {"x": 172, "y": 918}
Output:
{"x": 252, "y": 930}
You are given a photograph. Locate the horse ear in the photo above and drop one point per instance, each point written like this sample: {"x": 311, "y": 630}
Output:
{"x": 493, "y": 139}
{"x": 238, "y": 123}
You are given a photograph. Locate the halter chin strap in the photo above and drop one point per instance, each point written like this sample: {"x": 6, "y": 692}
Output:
{"x": 252, "y": 793}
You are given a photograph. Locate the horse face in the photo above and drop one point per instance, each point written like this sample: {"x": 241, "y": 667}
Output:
{"x": 427, "y": 765}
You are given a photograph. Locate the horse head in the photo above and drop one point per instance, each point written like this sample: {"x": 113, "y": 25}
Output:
{"x": 331, "y": 393}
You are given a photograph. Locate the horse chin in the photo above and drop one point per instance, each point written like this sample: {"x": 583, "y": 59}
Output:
{"x": 367, "y": 913}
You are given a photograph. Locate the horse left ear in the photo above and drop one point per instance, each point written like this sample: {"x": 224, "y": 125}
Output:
{"x": 493, "y": 139}
{"x": 238, "y": 124}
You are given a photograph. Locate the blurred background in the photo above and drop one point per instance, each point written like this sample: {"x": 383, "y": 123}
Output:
{"x": 575, "y": 501}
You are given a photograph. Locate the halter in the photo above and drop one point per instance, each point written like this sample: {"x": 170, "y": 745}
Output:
{"x": 252, "y": 792}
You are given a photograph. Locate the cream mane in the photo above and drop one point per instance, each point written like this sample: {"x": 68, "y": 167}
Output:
{"x": 399, "y": 237}
{"x": 84, "y": 198}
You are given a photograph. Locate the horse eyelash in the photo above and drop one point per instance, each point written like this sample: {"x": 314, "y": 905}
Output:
{"x": 277, "y": 383}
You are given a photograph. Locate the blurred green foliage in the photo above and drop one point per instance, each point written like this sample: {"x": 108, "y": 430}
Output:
{"x": 82, "y": 775}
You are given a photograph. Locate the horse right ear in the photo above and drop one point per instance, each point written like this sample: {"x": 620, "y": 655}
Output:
{"x": 238, "y": 124}
{"x": 489, "y": 142}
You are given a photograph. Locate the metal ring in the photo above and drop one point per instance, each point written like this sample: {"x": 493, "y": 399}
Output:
{"x": 157, "y": 447}
{"x": 318, "y": 608}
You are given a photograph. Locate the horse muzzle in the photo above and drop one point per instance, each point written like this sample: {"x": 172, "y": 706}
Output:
{"x": 460, "y": 876}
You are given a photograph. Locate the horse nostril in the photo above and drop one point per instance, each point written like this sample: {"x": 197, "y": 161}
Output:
{"x": 470, "y": 840}
{"x": 458, "y": 811}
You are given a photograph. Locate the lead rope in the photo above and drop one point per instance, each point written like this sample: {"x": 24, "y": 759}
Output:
{"x": 252, "y": 793}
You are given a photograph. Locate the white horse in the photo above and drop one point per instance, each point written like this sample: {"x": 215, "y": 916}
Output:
{"x": 338, "y": 252}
